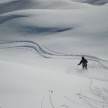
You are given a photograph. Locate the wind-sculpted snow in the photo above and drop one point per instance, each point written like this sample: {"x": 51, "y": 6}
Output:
{"x": 3, "y": 19}
{"x": 38, "y": 30}
{"x": 13, "y": 5}
{"x": 94, "y": 2}
{"x": 46, "y": 53}
{"x": 41, "y": 43}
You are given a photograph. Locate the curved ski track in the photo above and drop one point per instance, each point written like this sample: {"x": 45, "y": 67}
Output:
{"x": 46, "y": 53}
{"x": 85, "y": 100}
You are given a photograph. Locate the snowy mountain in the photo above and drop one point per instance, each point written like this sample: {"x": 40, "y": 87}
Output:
{"x": 41, "y": 43}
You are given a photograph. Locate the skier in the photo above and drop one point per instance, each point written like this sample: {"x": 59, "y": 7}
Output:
{"x": 84, "y": 63}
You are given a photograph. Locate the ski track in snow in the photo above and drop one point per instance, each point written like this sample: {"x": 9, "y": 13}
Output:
{"x": 85, "y": 100}
{"x": 96, "y": 97}
{"x": 99, "y": 97}
{"x": 98, "y": 65}
{"x": 46, "y": 53}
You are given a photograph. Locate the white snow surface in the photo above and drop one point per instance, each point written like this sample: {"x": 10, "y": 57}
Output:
{"x": 93, "y": 2}
{"x": 41, "y": 43}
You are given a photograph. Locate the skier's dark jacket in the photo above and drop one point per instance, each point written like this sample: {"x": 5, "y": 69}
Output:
{"x": 83, "y": 61}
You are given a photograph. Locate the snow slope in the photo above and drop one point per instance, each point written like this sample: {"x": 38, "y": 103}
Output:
{"x": 94, "y": 2}
{"x": 13, "y": 5}
{"x": 41, "y": 43}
